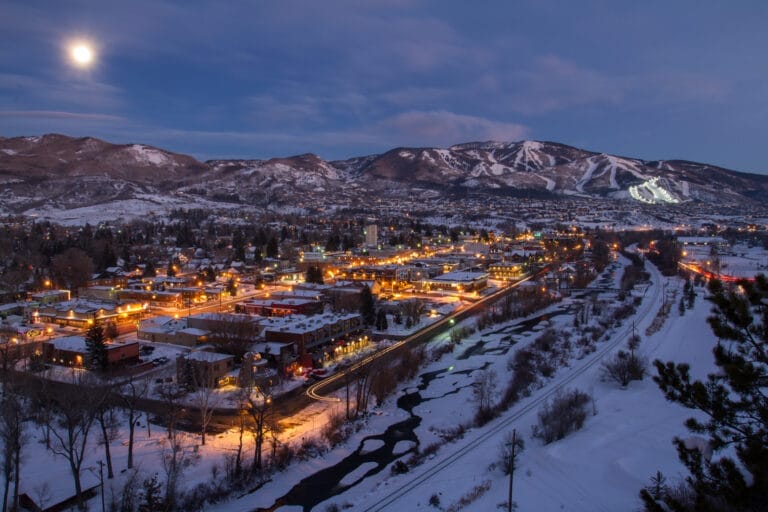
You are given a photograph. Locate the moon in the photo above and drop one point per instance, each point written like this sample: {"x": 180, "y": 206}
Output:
{"x": 81, "y": 54}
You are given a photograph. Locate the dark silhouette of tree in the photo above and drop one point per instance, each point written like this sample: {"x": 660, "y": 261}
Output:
{"x": 367, "y": 306}
{"x": 734, "y": 403}
{"x": 74, "y": 412}
{"x": 272, "y": 249}
{"x": 381, "y": 321}
{"x": 231, "y": 287}
{"x": 96, "y": 347}
{"x": 149, "y": 269}
{"x": 234, "y": 335}
{"x": 72, "y": 268}
{"x": 314, "y": 275}
{"x": 132, "y": 394}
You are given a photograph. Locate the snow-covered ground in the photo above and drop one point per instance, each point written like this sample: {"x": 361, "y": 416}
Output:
{"x": 601, "y": 467}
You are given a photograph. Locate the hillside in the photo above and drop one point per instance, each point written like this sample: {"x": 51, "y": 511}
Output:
{"x": 56, "y": 172}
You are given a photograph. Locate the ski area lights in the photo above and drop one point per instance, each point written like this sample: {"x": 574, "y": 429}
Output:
{"x": 651, "y": 192}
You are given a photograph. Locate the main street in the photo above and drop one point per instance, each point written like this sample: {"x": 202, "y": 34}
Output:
{"x": 319, "y": 390}
{"x": 293, "y": 402}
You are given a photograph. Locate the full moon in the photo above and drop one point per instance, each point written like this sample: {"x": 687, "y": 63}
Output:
{"x": 82, "y": 55}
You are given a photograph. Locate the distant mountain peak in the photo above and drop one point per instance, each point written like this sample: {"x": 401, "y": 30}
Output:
{"x": 31, "y": 169}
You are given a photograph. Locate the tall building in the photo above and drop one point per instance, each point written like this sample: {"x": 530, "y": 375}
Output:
{"x": 371, "y": 235}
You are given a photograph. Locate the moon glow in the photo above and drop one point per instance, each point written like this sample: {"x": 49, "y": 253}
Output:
{"x": 81, "y": 54}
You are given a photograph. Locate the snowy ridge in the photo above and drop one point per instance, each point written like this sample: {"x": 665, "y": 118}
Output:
{"x": 29, "y": 166}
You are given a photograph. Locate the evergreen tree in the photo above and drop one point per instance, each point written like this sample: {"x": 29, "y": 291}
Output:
{"x": 735, "y": 405}
{"x": 272, "y": 249}
{"x": 231, "y": 287}
{"x": 367, "y": 306}
{"x": 381, "y": 321}
{"x": 111, "y": 331}
{"x": 96, "y": 348}
{"x": 151, "y": 495}
{"x": 314, "y": 275}
{"x": 149, "y": 270}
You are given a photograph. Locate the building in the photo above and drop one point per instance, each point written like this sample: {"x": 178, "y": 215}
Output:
{"x": 84, "y": 313}
{"x": 459, "y": 282}
{"x": 310, "y": 332}
{"x": 371, "y": 235}
{"x": 504, "y": 270}
{"x": 204, "y": 369}
{"x": 164, "y": 329}
{"x": 50, "y": 296}
{"x": 72, "y": 351}
{"x": 280, "y": 307}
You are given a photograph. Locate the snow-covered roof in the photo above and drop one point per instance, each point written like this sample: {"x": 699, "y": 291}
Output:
{"x": 460, "y": 277}
{"x": 210, "y": 357}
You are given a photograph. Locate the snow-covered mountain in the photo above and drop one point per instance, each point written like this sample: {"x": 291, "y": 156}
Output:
{"x": 64, "y": 172}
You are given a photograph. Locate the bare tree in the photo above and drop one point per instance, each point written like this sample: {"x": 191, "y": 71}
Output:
{"x": 173, "y": 455}
{"x": 105, "y": 417}
{"x": 131, "y": 395}
{"x": 412, "y": 309}
{"x": 72, "y": 268}
{"x": 204, "y": 398}
{"x": 258, "y": 405}
{"x": 483, "y": 390}
{"x": 75, "y": 409}
{"x": 13, "y": 437}
{"x": 234, "y": 334}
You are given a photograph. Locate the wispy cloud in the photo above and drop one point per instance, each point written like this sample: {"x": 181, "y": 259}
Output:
{"x": 56, "y": 114}
{"x": 443, "y": 128}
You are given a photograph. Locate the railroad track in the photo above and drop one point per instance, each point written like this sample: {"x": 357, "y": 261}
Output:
{"x": 495, "y": 429}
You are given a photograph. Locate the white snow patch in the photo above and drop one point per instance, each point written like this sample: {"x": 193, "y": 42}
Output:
{"x": 358, "y": 473}
{"x": 150, "y": 156}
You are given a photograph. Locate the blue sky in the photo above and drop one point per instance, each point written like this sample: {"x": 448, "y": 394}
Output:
{"x": 341, "y": 78}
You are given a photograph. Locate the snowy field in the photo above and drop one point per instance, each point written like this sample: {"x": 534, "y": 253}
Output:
{"x": 601, "y": 467}
{"x": 740, "y": 260}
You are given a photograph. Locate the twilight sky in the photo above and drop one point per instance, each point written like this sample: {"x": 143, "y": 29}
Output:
{"x": 341, "y": 78}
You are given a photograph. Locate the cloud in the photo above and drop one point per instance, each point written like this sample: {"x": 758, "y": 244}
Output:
{"x": 55, "y": 114}
{"x": 443, "y": 128}
{"x": 553, "y": 83}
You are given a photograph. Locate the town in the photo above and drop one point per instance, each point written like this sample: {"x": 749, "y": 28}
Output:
{"x": 206, "y": 326}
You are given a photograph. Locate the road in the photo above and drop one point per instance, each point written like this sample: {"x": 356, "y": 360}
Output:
{"x": 315, "y": 391}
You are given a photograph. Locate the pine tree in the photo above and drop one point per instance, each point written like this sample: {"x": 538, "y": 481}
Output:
{"x": 151, "y": 495}
{"x": 96, "y": 347}
{"x": 272, "y": 248}
{"x": 734, "y": 402}
{"x": 381, "y": 321}
{"x": 314, "y": 275}
{"x": 367, "y": 306}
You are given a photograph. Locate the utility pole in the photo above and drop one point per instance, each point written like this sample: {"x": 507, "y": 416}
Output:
{"x": 101, "y": 482}
{"x": 512, "y": 460}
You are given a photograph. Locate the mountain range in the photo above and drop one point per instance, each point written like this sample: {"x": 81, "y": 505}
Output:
{"x": 57, "y": 171}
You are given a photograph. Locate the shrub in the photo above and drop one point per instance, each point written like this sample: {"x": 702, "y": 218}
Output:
{"x": 283, "y": 456}
{"x": 434, "y": 501}
{"x": 399, "y": 468}
{"x": 336, "y": 431}
{"x": 310, "y": 448}
{"x": 625, "y": 367}
{"x": 564, "y": 414}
